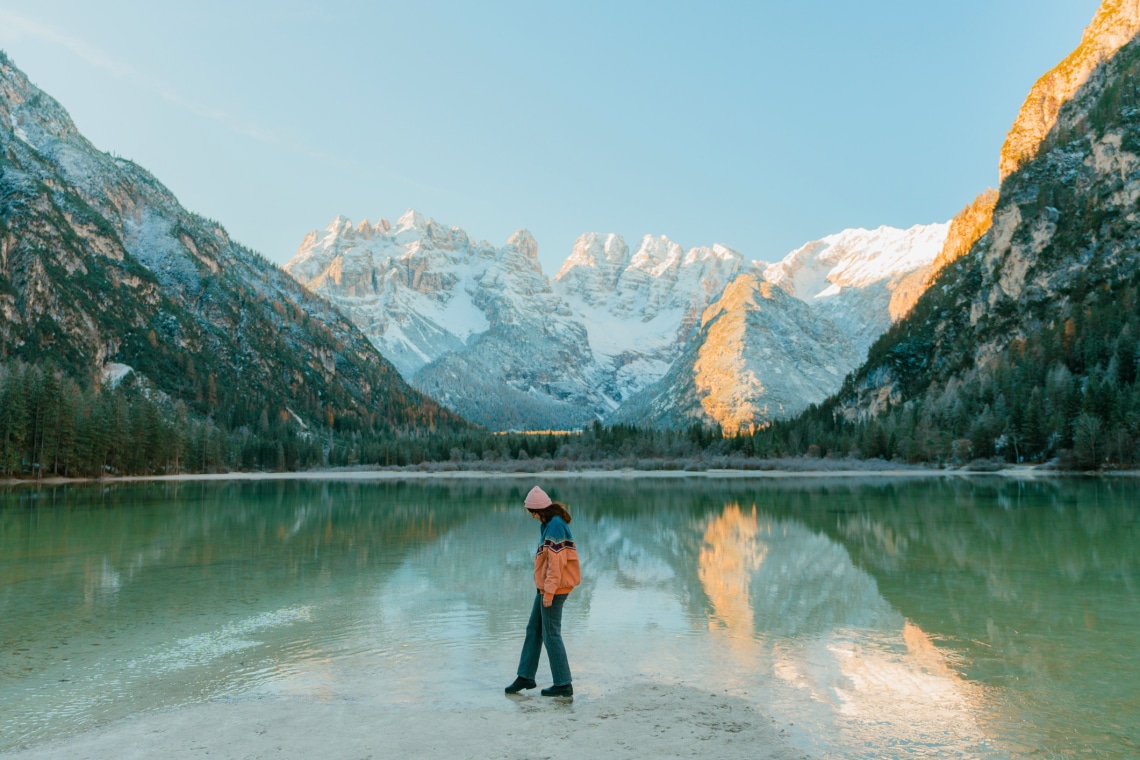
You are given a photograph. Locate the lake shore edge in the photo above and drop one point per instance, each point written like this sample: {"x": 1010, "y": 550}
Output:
{"x": 1015, "y": 472}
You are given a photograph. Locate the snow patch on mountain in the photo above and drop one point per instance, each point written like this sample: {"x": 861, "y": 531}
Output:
{"x": 849, "y": 277}
{"x": 640, "y": 309}
{"x": 113, "y": 373}
{"x": 855, "y": 258}
{"x": 21, "y": 135}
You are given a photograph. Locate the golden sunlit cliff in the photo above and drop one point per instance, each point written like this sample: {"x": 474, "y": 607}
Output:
{"x": 1115, "y": 24}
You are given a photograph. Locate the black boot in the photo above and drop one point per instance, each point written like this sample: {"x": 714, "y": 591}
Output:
{"x": 520, "y": 684}
{"x": 559, "y": 691}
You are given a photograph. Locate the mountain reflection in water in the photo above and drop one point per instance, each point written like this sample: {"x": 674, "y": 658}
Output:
{"x": 949, "y": 618}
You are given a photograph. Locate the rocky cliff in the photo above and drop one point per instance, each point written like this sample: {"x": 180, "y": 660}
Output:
{"x": 1115, "y": 24}
{"x": 1042, "y": 305}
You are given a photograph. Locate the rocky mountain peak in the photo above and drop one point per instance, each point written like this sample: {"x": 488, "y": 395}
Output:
{"x": 309, "y": 241}
{"x": 717, "y": 251}
{"x": 1116, "y": 22}
{"x": 34, "y": 116}
{"x": 599, "y": 254}
{"x": 741, "y": 293}
{"x": 338, "y": 225}
{"x": 525, "y": 244}
{"x": 656, "y": 254}
{"x": 411, "y": 219}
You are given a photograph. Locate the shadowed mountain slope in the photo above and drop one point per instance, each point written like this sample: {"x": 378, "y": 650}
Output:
{"x": 100, "y": 264}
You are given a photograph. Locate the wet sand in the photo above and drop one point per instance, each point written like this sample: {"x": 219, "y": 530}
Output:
{"x": 641, "y": 721}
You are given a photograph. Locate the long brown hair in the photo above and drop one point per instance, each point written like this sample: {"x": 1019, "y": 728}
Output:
{"x": 554, "y": 510}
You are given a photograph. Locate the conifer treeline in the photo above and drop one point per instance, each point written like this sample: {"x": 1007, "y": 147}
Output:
{"x": 1068, "y": 391}
{"x": 51, "y": 426}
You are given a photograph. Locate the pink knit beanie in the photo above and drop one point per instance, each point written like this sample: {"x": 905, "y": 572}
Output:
{"x": 537, "y": 499}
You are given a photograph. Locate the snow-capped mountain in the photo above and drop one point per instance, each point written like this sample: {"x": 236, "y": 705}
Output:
{"x": 409, "y": 287}
{"x": 660, "y": 335}
{"x": 760, "y": 354}
{"x": 474, "y": 325}
{"x": 641, "y": 310}
{"x": 782, "y": 336}
{"x": 853, "y": 277}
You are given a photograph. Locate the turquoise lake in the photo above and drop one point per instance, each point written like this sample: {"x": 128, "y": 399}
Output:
{"x": 924, "y": 618}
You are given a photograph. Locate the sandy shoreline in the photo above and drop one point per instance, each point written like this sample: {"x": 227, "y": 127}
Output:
{"x": 645, "y": 720}
{"x": 1020, "y": 472}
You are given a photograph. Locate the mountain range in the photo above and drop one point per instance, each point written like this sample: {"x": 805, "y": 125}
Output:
{"x": 1010, "y": 328}
{"x": 656, "y": 335}
{"x": 912, "y": 327}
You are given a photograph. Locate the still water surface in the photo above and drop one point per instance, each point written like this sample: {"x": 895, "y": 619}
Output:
{"x": 941, "y": 618}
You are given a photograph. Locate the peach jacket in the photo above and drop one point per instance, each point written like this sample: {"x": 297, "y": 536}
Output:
{"x": 556, "y": 568}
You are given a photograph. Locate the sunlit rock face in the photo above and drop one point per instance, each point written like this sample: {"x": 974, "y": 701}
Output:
{"x": 966, "y": 228}
{"x": 1061, "y": 234}
{"x": 1115, "y": 24}
{"x": 782, "y": 336}
{"x": 762, "y": 353}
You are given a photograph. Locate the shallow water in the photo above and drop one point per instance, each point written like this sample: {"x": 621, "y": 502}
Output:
{"x": 941, "y": 618}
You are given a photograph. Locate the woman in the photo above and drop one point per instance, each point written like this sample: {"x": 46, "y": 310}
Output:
{"x": 556, "y": 572}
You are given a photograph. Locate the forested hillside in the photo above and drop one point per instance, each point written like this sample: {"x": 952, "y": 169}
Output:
{"x": 99, "y": 264}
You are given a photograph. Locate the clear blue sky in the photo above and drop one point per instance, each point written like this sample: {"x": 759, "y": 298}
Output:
{"x": 757, "y": 124}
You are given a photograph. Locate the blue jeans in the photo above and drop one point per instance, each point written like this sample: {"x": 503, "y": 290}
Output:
{"x": 545, "y": 627}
